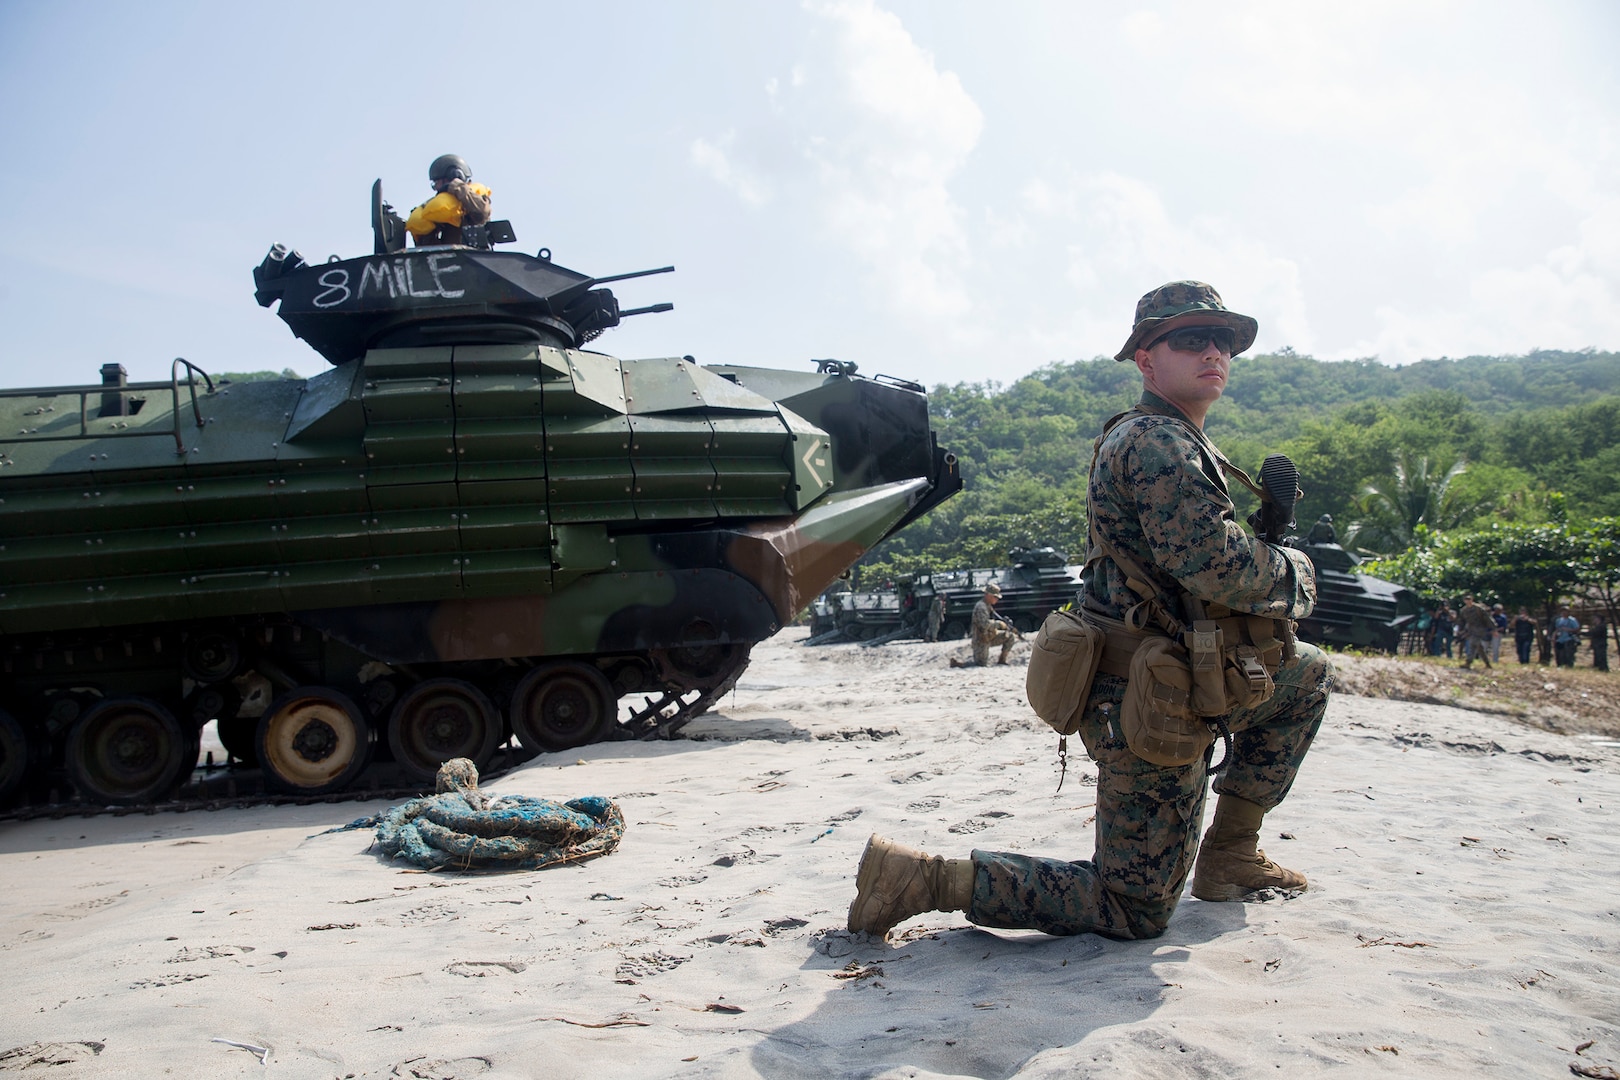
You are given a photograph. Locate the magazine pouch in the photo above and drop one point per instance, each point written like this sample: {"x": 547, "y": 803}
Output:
{"x": 1158, "y": 719}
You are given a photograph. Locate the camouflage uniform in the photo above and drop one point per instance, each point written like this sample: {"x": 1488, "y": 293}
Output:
{"x": 936, "y": 619}
{"x": 1476, "y": 619}
{"x": 1158, "y": 496}
{"x": 990, "y": 629}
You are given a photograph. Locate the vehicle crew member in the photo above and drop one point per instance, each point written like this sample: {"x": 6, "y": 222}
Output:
{"x": 1158, "y": 497}
{"x": 1322, "y": 532}
{"x": 458, "y": 202}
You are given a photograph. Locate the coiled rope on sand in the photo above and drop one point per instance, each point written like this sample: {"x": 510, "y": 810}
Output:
{"x": 462, "y": 828}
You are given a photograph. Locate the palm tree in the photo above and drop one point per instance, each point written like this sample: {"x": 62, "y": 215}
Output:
{"x": 1418, "y": 492}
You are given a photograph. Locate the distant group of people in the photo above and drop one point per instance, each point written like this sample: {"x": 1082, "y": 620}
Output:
{"x": 1476, "y": 632}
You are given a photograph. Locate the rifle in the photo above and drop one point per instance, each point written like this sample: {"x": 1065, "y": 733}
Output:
{"x": 1279, "y": 491}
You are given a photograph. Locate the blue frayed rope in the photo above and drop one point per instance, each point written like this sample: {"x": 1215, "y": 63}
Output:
{"x": 514, "y": 832}
{"x": 461, "y": 828}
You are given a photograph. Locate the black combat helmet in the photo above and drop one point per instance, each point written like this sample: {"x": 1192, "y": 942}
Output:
{"x": 449, "y": 167}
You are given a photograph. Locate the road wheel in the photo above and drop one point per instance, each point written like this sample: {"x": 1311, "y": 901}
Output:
{"x": 14, "y": 756}
{"x": 442, "y": 719}
{"x": 127, "y": 750}
{"x": 211, "y": 657}
{"x": 312, "y": 741}
{"x": 563, "y": 705}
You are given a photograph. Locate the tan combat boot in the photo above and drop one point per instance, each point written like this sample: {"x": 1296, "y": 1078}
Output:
{"x": 1230, "y": 864}
{"x": 895, "y": 882}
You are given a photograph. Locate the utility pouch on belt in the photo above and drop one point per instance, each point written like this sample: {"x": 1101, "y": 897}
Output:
{"x": 1061, "y": 668}
{"x": 1232, "y": 660}
{"x": 1159, "y": 723}
{"x": 1252, "y": 663}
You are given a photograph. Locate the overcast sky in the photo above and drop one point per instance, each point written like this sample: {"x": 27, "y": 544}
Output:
{"x": 940, "y": 191}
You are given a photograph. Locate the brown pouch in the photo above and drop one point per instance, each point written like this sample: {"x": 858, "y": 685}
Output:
{"x": 1158, "y": 721}
{"x": 1248, "y": 683}
{"x": 1062, "y": 665}
{"x": 1253, "y": 655}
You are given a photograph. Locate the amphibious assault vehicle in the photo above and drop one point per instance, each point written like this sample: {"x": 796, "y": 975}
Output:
{"x": 1354, "y": 610}
{"x": 468, "y": 527}
{"x": 844, "y": 614}
{"x": 1037, "y": 582}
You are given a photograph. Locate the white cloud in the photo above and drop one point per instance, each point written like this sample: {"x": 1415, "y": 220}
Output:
{"x": 1359, "y": 190}
{"x": 1566, "y": 300}
{"x": 877, "y": 132}
{"x": 1599, "y": 249}
{"x": 1143, "y": 29}
{"x": 1467, "y": 204}
{"x": 714, "y": 158}
{"x": 1122, "y": 240}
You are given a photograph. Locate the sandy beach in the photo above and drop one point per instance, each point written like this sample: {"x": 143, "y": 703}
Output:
{"x": 1463, "y": 917}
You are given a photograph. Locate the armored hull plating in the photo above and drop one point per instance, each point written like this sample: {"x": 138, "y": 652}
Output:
{"x": 1354, "y": 610}
{"x": 467, "y": 528}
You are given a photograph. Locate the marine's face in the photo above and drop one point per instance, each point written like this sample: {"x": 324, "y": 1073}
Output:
{"x": 1191, "y": 381}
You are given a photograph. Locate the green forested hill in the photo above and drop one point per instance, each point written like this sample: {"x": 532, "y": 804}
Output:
{"x": 1442, "y": 443}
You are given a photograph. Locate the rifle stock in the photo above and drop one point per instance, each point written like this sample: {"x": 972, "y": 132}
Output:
{"x": 1279, "y": 492}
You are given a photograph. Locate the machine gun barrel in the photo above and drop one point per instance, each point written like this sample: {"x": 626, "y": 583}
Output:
{"x": 632, "y": 274}
{"x": 648, "y": 310}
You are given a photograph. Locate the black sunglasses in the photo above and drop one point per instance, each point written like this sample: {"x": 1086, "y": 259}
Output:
{"x": 1195, "y": 339}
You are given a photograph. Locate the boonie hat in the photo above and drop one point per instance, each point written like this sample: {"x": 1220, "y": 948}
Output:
{"x": 1185, "y": 303}
{"x": 992, "y": 589}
